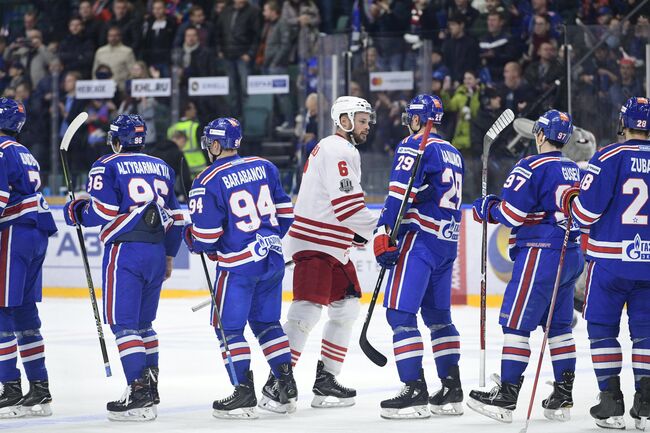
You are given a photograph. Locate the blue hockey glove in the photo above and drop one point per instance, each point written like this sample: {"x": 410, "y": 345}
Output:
{"x": 189, "y": 239}
{"x": 385, "y": 252}
{"x": 482, "y": 206}
{"x": 72, "y": 211}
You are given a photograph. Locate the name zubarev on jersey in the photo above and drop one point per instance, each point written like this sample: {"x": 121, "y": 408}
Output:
{"x": 640, "y": 165}
{"x": 143, "y": 167}
{"x": 246, "y": 175}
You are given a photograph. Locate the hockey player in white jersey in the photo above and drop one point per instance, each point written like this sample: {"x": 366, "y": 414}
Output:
{"x": 330, "y": 217}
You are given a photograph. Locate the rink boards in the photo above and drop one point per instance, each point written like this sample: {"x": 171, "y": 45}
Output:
{"x": 63, "y": 273}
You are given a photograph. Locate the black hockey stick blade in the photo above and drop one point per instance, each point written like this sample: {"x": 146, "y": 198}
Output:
{"x": 373, "y": 354}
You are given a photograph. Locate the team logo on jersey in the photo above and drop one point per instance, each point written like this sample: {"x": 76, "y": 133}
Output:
{"x": 266, "y": 244}
{"x": 450, "y": 230}
{"x": 637, "y": 250}
{"x": 346, "y": 185}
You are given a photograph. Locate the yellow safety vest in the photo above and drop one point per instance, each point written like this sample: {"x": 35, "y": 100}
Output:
{"x": 193, "y": 153}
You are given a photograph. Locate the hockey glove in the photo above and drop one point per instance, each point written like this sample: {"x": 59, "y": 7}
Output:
{"x": 359, "y": 241}
{"x": 212, "y": 255}
{"x": 482, "y": 207}
{"x": 568, "y": 195}
{"x": 189, "y": 239}
{"x": 424, "y": 194}
{"x": 385, "y": 252}
{"x": 73, "y": 210}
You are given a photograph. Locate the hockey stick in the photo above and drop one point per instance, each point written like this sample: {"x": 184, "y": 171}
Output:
{"x": 551, "y": 307}
{"x": 213, "y": 295}
{"x": 63, "y": 151}
{"x": 201, "y": 305}
{"x": 373, "y": 354}
{"x": 497, "y": 127}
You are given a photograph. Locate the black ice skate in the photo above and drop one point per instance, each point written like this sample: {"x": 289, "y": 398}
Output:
{"x": 557, "y": 405}
{"x": 641, "y": 408}
{"x": 499, "y": 403}
{"x": 328, "y": 392}
{"x": 240, "y": 404}
{"x": 136, "y": 403}
{"x": 609, "y": 412}
{"x": 411, "y": 402}
{"x": 279, "y": 395}
{"x": 10, "y": 398}
{"x": 448, "y": 400}
{"x": 152, "y": 378}
{"x": 37, "y": 401}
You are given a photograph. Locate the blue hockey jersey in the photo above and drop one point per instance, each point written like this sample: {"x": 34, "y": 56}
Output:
{"x": 20, "y": 201}
{"x": 122, "y": 188}
{"x": 531, "y": 202}
{"x": 613, "y": 204}
{"x": 240, "y": 212}
{"x": 442, "y": 169}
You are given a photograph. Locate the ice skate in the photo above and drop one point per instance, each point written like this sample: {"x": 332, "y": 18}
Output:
{"x": 609, "y": 412}
{"x": 498, "y": 403}
{"x": 641, "y": 408}
{"x": 152, "y": 377}
{"x": 328, "y": 392}
{"x": 37, "y": 401}
{"x": 240, "y": 404}
{"x": 410, "y": 403}
{"x": 557, "y": 406}
{"x": 10, "y": 399}
{"x": 136, "y": 403}
{"x": 272, "y": 400}
{"x": 448, "y": 400}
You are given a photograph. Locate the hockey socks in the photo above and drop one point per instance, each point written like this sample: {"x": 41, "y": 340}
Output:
{"x": 8, "y": 356}
{"x": 563, "y": 352}
{"x": 515, "y": 355}
{"x": 445, "y": 343}
{"x": 606, "y": 354}
{"x": 150, "y": 340}
{"x": 32, "y": 354}
{"x": 640, "y": 360}
{"x": 132, "y": 352}
{"x": 337, "y": 332}
{"x": 274, "y": 343}
{"x": 407, "y": 344}
{"x": 240, "y": 352}
{"x": 301, "y": 319}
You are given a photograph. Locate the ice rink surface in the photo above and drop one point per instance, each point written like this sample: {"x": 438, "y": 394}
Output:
{"x": 192, "y": 375}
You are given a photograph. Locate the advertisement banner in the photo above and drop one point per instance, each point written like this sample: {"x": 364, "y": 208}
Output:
{"x": 95, "y": 89}
{"x": 398, "y": 80}
{"x": 207, "y": 86}
{"x": 268, "y": 84}
{"x": 151, "y": 87}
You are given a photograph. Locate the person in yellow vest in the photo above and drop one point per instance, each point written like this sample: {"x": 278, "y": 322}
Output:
{"x": 189, "y": 125}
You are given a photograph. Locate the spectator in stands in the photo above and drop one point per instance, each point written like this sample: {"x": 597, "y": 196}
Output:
{"x": 116, "y": 55}
{"x": 369, "y": 64}
{"x": 465, "y": 104}
{"x": 389, "y": 21}
{"x": 157, "y": 38}
{"x": 30, "y": 22}
{"x": 274, "y": 56}
{"x": 144, "y": 106}
{"x": 32, "y": 133}
{"x": 197, "y": 20}
{"x": 497, "y": 47}
{"x": 304, "y": 18}
{"x": 32, "y": 53}
{"x": 540, "y": 8}
{"x": 93, "y": 27}
{"x": 541, "y": 33}
{"x": 600, "y": 71}
{"x": 125, "y": 22}
{"x": 196, "y": 60}
{"x": 76, "y": 50}
{"x": 170, "y": 150}
{"x": 460, "y": 51}
{"x": 69, "y": 108}
{"x": 100, "y": 112}
{"x": 543, "y": 72}
{"x": 626, "y": 87}
{"x": 480, "y": 27}
{"x": 189, "y": 125}
{"x": 464, "y": 10}
{"x": 43, "y": 91}
{"x": 16, "y": 75}
{"x": 515, "y": 92}
{"x": 237, "y": 33}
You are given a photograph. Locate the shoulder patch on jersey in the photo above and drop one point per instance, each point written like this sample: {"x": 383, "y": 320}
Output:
{"x": 96, "y": 170}
{"x": 196, "y": 191}
{"x": 346, "y": 185}
{"x": 522, "y": 171}
{"x": 406, "y": 150}
{"x": 593, "y": 169}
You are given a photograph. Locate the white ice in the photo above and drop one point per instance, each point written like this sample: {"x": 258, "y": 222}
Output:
{"x": 192, "y": 375}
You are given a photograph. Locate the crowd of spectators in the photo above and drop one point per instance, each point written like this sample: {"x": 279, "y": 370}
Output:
{"x": 485, "y": 56}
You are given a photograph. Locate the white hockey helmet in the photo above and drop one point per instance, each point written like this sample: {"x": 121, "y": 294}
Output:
{"x": 350, "y": 105}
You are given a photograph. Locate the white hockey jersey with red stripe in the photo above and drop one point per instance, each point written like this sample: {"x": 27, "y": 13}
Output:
{"x": 330, "y": 207}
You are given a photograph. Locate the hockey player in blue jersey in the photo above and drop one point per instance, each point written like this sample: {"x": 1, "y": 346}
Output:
{"x": 531, "y": 206}
{"x": 132, "y": 198}
{"x": 420, "y": 278}
{"x": 25, "y": 225}
{"x": 239, "y": 214}
{"x": 613, "y": 205}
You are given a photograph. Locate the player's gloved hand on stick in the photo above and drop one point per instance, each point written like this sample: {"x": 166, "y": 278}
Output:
{"x": 482, "y": 206}
{"x": 425, "y": 193}
{"x": 72, "y": 211}
{"x": 568, "y": 195}
{"x": 359, "y": 241}
{"x": 386, "y": 253}
{"x": 189, "y": 239}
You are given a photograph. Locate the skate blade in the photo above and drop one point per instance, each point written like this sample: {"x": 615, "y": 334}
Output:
{"x": 614, "y": 422}
{"x": 134, "y": 415}
{"x": 641, "y": 423}
{"x": 11, "y": 412}
{"x": 449, "y": 409}
{"x": 277, "y": 407}
{"x": 36, "y": 410}
{"x": 413, "y": 412}
{"x": 562, "y": 414}
{"x": 494, "y": 412}
{"x": 241, "y": 413}
{"x": 325, "y": 402}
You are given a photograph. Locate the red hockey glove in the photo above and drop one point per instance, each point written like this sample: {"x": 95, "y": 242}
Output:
{"x": 568, "y": 195}
{"x": 385, "y": 252}
{"x": 189, "y": 239}
{"x": 483, "y": 206}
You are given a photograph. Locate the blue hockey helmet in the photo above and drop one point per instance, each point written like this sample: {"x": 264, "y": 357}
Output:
{"x": 227, "y": 130}
{"x": 12, "y": 115}
{"x": 127, "y": 130}
{"x": 635, "y": 114}
{"x": 555, "y": 125}
{"x": 425, "y": 106}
